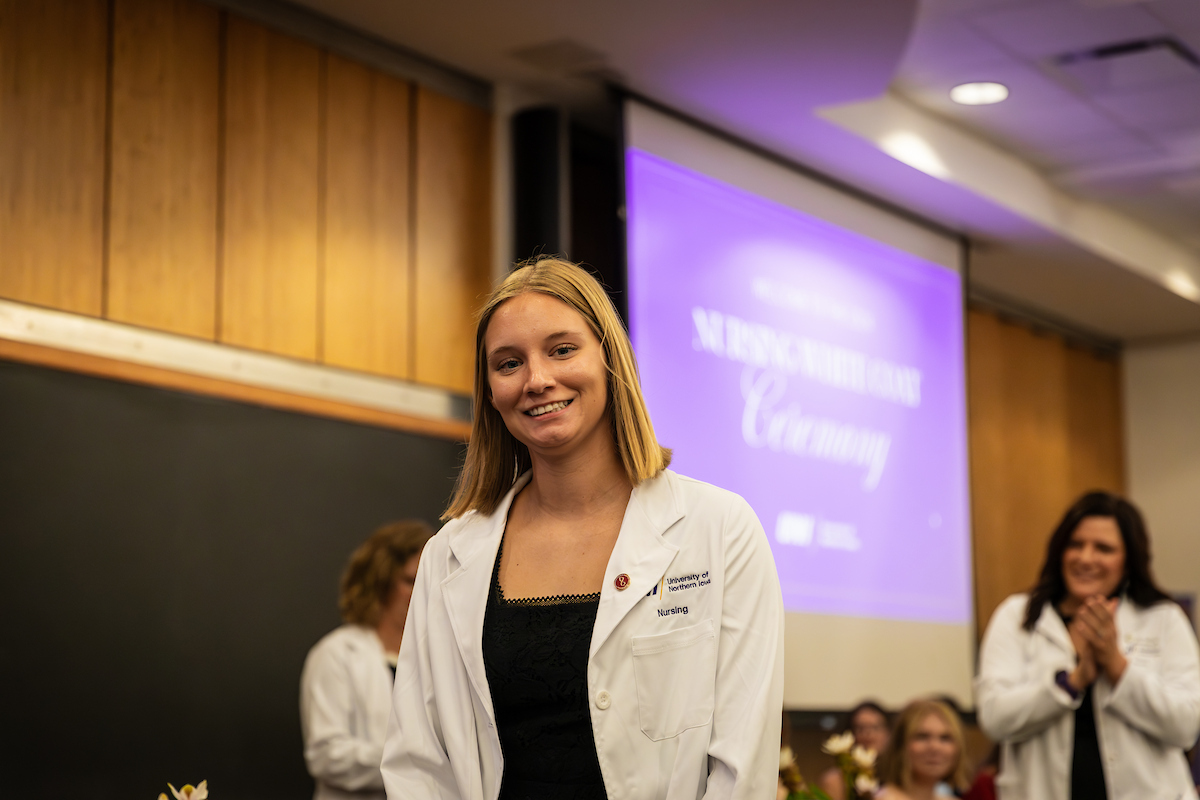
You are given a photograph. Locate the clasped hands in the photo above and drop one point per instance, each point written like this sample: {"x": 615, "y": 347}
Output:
{"x": 1094, "y": 634}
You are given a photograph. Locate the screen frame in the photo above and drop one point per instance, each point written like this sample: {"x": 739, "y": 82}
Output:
{"x": 726, "y": 158}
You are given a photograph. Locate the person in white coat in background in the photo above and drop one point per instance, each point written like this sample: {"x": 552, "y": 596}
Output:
{"x": 1092, "y": 680}
{"x": 346, "y": 684}
{"x": 588, "y": 625}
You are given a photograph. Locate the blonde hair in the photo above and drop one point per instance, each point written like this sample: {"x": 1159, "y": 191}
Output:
{"x": 368, "y": 577}
{"x": 894, "y": 764}
{"x": 495, "y": 459}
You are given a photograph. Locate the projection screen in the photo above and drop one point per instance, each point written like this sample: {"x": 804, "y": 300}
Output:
{"x": 804, "y": 348}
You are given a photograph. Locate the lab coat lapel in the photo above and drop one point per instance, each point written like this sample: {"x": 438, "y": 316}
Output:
{"x": 465, "y": 590}
{"x": 1051, "y": 626}
{"x": 640, "y": 552}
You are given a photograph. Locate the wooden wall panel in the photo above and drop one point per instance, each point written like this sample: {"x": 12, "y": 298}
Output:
{"x": 1018, "y": 456}
{"x": 453, "y": 233}
{"x": 269, "y": 276}
{"x": 170, "y": 165}
{"x": 1095, "y": 421}
{"x": 53, "y": 82}
{"x": 367, "y": 257}
{"x": 1044, "y": 427}
{"x": 163, "y": 234}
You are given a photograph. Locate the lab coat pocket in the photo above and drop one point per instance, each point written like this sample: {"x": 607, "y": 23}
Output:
{"x": 675, "y": 674}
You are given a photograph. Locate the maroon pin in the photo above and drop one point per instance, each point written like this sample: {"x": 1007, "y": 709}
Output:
{"x": 622, "y": 581}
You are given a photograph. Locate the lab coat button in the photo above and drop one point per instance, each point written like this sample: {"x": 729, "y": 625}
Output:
{"x": 603, "y": 700}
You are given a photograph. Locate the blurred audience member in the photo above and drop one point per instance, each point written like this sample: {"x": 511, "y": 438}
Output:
{"x": 924, "y": 753}
{"x": 1092, "y": 680}
{"x": 869, "y": 724}
{"x": 346, "y": 685}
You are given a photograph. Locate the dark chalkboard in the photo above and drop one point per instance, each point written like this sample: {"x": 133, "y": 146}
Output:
{"x": 166, "y": 561}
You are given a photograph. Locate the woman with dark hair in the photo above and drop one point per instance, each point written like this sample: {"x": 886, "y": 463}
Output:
{"x": 1092, "y": 680}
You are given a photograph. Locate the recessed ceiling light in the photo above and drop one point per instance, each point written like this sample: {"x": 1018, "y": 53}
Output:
{"x": 979, "y": 94}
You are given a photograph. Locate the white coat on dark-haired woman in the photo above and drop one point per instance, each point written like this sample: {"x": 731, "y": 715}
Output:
{"x": 1092, "y": 688}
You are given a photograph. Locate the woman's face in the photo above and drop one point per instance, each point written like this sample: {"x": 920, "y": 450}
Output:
{"x": 932, "y": 753}
{"x": 1094, "y": 562}
{"x": 546, "y": 375}
{"x": 870, "y": 729}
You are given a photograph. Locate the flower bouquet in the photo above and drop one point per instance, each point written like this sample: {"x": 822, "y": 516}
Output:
{"x": 856, "y": 762}
{"x": 188, "y": 792}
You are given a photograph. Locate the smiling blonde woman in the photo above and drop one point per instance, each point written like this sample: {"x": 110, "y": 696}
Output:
{"x": 1092, "y": 680}
{"x": 588, "y": 624}
{"x": 924, "y": 753}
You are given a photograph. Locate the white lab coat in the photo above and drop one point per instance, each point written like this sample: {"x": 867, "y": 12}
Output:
{"x": 345, "y": 701}
{"x": 1143, "y": 725}
{"x": 685, "y": 670}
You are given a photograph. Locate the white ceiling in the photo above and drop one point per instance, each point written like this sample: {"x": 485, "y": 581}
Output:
{"x": 1134, "y": 146}
{"x": 1127, "y": 136}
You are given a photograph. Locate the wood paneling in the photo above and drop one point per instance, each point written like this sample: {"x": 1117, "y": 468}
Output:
{"x": 1044, "y": 427}
{"x": 453, "y": 243}
{"x": 367, "y": 257}
{"x": 269, "y": 275}
{"x": 167, "y": 164}
{"x": 163, "y": 219}
{"x": 53, "y": 83}
{"x": 1095, "y": 423}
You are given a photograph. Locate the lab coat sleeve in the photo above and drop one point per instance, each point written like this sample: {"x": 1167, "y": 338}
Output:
{"x": 332, "y": 752}
{"x": 1161, "y": 698}
{"x": 744, "y": 749}
{"x": 415, "y": 763}
{"x": 1016, "y": 700}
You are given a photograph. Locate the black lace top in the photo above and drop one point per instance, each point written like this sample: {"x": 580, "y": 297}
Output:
{"x": 535, "y": 651}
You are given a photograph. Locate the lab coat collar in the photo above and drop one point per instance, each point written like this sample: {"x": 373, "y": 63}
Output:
{"x": 641, "y": 552}
{"x": 1051, "y": 626}
{"x": 473, "y": 539}
{"x": 465, "y": 590}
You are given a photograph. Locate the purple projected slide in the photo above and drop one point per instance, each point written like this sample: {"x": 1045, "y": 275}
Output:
{"x": 815, "y": 372}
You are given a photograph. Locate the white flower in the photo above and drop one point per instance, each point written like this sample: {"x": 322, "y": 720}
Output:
{"x": 786, "y": 758}
{"x": 865, "y": 784}
{"x": 189, "y": 792}
{"x": 836, "y": 745}
{"x": 863, "y": 757}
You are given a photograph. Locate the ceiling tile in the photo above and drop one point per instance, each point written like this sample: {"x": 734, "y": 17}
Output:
{"x": 1029, "y": 89}
{"x": 1158, "y": 64}
{"x": 1037, "y": 114}
{"x": 1167, "y": 110}
{"x": 948, "y": 47}
{"x": 957, "y": 8}
{"x": 1181, "y": 18}
{"x": 1175, "y": 215}
{"x": 1089, "y": 150}
{"x": 1065, "y": 27}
